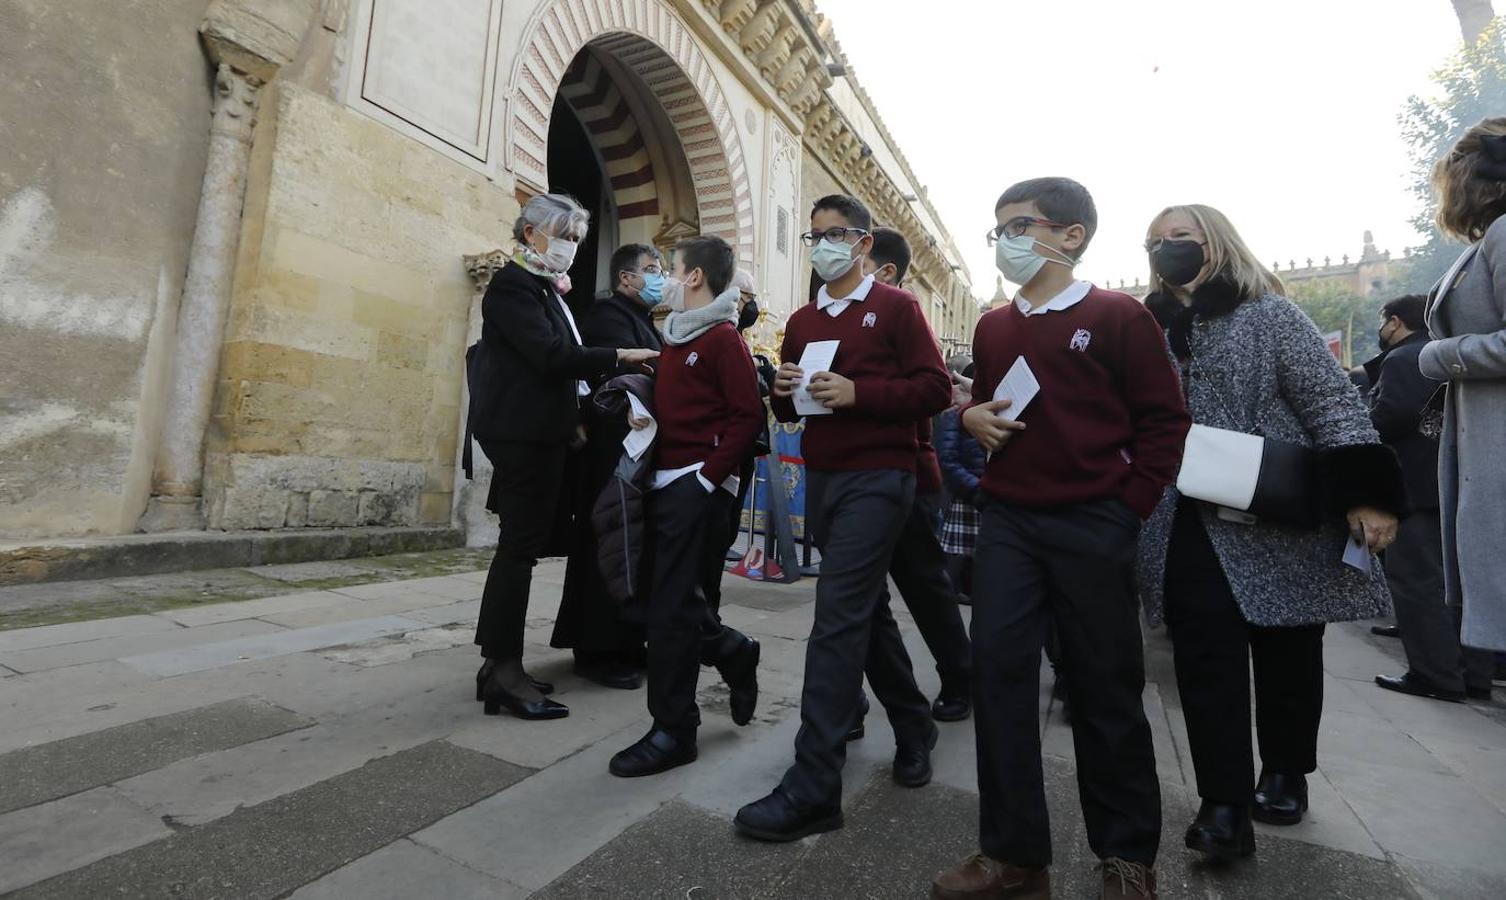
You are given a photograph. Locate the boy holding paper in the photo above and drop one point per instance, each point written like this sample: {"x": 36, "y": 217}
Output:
{"x": 709, "y": 413}
{"x": 1076, "y": 398}
{"x": 879, "y": 373}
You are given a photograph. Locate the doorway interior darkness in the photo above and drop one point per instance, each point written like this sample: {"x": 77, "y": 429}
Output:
{"x": 575, "y": 170}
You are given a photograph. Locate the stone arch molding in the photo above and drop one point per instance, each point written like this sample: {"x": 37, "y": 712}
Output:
{"x": 688, "y": 91}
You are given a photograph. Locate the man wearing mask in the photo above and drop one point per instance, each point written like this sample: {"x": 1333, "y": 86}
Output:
{"x": 885, "y": 374}
{"x": 1437, "y": 666}
{"x": 608, "y": 649}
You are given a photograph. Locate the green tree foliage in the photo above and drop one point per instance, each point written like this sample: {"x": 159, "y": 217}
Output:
{"x": 1334, "y": 306}
{"x": 1472, "y": 86}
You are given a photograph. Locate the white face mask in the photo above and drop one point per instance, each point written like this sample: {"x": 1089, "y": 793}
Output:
{"x": 832, "y": 259}
{"x": 1018, "y": 260}
{"x": 674, "y": 295}
{"x": 560, "y": 255}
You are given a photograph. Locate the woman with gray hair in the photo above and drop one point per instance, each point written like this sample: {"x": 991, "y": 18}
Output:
{"x": 527, "y": 382}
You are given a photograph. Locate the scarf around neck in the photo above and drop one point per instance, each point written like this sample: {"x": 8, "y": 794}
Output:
{"x": 528, "y": 261}
{"x": 1217, "y": 297}
{"x": 687, "y": 325}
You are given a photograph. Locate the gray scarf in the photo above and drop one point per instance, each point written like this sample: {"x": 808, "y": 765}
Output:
{"x": 686, "y": 325}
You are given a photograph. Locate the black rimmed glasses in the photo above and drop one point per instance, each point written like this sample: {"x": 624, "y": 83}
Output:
{"x": 836, "y": 235}
{"x": 1016, "y": 227}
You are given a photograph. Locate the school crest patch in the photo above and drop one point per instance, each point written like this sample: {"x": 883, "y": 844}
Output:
{"x": 693, "y": 358}
{"x": 870, "y": 320}
{"x": 1081, "y": 340}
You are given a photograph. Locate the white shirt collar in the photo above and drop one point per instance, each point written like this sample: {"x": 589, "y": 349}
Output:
{"x": 1065, "y": 300}
{"x": 859, "y": 294}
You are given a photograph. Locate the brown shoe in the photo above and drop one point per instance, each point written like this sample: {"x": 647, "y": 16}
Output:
{"x": 1124, "y": 880}
{"x": 983, "y": 878}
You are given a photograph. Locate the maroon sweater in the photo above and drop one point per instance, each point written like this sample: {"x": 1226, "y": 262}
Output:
{"x": 1109, "y": 420}
{"x": 899, "y": 378}
{"x": 927, "y": 464}
{"x": 707, "y": 404}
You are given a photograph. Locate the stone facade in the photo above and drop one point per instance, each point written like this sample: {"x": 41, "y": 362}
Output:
{"x": 268, "y": 332}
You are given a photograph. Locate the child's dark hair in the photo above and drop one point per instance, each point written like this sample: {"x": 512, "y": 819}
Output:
{"x": 889, "y": 246}
{"x": 851, "y": 208}
{"x": 1410, "y": 309}
{"x": 1060, "y": 200}
{"x": 712, "y": 255}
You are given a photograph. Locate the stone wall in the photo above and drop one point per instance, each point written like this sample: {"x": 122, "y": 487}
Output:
{"x": 103, "y": 131}
{"x": 340, "y": 384}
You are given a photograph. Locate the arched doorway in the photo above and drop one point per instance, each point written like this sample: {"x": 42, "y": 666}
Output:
{"x": 666, "y": 157}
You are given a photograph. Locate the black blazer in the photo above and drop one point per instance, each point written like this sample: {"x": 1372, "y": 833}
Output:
{"x": 524, "y": 374}
{"x": 1398, "y": 395}
{"x": 618, "y": 321}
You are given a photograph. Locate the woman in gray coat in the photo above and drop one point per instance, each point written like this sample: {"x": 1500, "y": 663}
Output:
{"x": 1232, "y": 587}
{"x": 1467, "y": 321}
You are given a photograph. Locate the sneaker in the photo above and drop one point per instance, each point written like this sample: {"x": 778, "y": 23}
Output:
{"x": 982, "y": 877}
{"x": 1125, "y": 880}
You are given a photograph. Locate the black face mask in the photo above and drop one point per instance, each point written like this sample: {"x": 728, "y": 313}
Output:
{"x": 1178, "y": 262}
{"x": 748, "y": 316}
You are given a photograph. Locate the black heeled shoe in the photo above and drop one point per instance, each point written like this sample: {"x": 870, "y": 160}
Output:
{"x": 1222, "y": 831}
{"x": 495, "y": 697}
{"x": 485, "y": 672}
{"x": 1280, "y": 799}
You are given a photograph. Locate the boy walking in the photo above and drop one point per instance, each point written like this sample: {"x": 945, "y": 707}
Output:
{"x": 709, "y": 412}
{"x": 860, "y": 450}
{"x": 1064, "y": 495}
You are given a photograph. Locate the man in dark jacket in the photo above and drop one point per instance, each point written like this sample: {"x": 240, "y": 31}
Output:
{"x": 608, "y": 649}
{"x": 1437, "y": 666}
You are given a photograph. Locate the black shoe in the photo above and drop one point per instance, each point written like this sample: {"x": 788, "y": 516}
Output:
{"x": 857, "y": 731}
{"x": 1222, "y": 830}
{"x": 737, "y": 658}
{"x": 1280, "y": 799}
{"x": 616, "y": 675}
{"x": 485, "y": 672}
{"x": 912, "y": 765}
{"x": 1385, "y": 630}
{"x": 1478, "y": 693}
{"x": 658, "y": 751}
{"x": 953, "y": 708}
{"x": 1417, "y": 686}
{"x": 778, "y": 819}
{"x": 496, "y": 697}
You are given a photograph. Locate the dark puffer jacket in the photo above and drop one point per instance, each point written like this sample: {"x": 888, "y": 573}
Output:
{"x": 618, "y": 516}
{"x": 961, "y": 457}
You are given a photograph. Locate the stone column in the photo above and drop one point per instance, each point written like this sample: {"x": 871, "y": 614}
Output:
{"x": 178, "y": 478}
{"x": 470, "y": 513}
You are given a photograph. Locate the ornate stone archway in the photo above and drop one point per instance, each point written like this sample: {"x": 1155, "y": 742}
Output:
{"x": 651, "y": 39}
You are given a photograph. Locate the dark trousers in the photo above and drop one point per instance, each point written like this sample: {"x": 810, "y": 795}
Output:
{"x": 1429, "y": 628}
{"x": 1213, "y": 646}
{"x": 1073, "y": 565}
{"x": 855, "y": 520}
{"x": 725, "y": 536}
{"x": 685, "y": 525}
{"x": 527, "y": 480}
{"x": 919, "y": 571}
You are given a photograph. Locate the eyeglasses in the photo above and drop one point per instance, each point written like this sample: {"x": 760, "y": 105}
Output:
{"x": 651, "y": 269}
{"x": 1154, "y": 244}
{"x": 748, "y": 296}
{"x": 835, "y": 235}
{"x": 1016, "y": 227}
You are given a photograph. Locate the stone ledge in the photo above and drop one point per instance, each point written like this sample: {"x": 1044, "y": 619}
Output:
{"x": 81, "y": 559}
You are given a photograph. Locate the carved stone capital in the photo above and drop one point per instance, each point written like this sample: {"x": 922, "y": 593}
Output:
{"x": 235, "y": 96}
{"x": 482, "y": 266}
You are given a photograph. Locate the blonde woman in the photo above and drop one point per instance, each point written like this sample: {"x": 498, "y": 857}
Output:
{"x": 1233, "y": 588}
{"x": 1466, "y": 316}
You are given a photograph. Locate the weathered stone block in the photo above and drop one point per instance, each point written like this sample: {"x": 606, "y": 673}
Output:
{"x": 332, "y": 508}
{"x": 298, "y": 510}
{"x": 375, "y": 508}
{"x": 434, "y": 508}
{"x": 250, "y": 507}
{"x": 257, "y": 37}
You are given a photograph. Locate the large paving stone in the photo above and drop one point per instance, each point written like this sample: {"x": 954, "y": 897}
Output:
{"x": 76, "y": 632}
{"x": 51, "y": 838}
{"x": 403, "y": 869}
{"x": 48, "y": 771}
{"x": 280, "y": 642}
{"x": 112, "y": 647}
{"x": 268, "y": 850}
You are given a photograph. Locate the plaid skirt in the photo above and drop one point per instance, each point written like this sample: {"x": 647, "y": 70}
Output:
{"x": 959, "y": 529}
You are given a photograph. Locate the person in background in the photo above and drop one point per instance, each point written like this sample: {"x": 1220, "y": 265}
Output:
{"x": 886, "y": 376}
{"x": 1437, "y": 666}
{"x": 1064, "y": 494}
{"x": 608, "y": 649}
{"x": 1466, "y": 318}
{"x": 709, "y": 412}
{"x": 962, "y": 462}
{"x": 528, "y": 379}
{"x": 1253, "y": 362}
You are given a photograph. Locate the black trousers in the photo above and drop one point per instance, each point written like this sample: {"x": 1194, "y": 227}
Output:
{"x": 919, "y": 570}
{"x": 1073, "y": 565}
{"x": 855, "y": 520}
{"x": 726, "y": 536}
{"x": 526, "y": 485}
{"x": 1213, "y": 646}
{"x": 685, "y": 525}
{"x": 1430, "y": 628}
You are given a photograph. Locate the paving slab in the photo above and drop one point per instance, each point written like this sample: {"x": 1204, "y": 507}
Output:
{"x": 167, "y": 642}
{"x": 46, "y": 840}
{"x": 252, "y": 609}
{"x": 280, "y": 642}
{"x": 75, "y": 632}
{"x": 389, "y": 649}
{"x": 49, "y": 771}
{"x": 296, "y": 573}
{"x": 403, "y": 870}
{"x": 269, "y": 850}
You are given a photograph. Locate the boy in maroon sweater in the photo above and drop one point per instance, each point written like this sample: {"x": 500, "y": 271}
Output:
{"x": 1066, "y": 490}
{"x": 860, "y": 450}
{"x": 709, "y": 412}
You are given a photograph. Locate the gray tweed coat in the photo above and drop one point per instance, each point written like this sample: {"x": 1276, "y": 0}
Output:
{"x": 1467, "y": 320}
{"x": 1264, "y": 369}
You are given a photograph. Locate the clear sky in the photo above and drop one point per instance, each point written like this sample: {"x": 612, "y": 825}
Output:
{"x": 1282, "y": 113}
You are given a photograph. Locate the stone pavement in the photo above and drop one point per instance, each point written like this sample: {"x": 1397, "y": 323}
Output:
{"x": 321, "y": 740}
